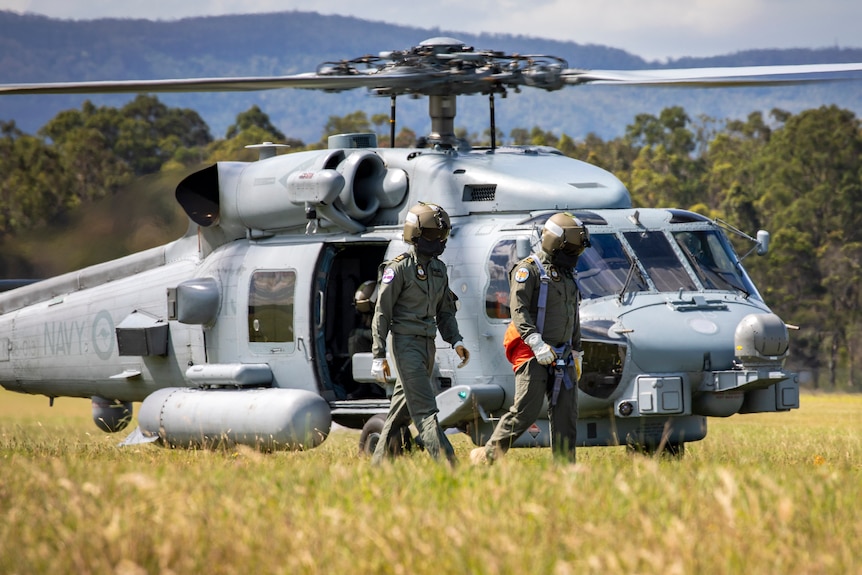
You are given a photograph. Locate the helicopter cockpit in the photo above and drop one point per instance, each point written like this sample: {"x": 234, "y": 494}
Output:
{"x": 671, "y": 267}
{"x": 606, "y": 268}
{"x": 691, "y": 254}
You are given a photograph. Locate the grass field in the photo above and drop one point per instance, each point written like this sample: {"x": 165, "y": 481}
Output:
{"x": 770, "y": 493}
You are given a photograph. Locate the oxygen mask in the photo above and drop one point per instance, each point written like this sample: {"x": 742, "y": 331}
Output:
{"x": 432, "y": 241}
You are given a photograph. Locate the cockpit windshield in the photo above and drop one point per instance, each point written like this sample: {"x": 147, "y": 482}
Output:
{"x": 606, "y": 268}
{"x": 640, "y": 261}
{"x": 711, "y": 260}
{"x": 661, "y": 263}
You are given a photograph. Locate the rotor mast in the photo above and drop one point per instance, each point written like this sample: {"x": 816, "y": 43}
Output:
{"x": 442, "y": 110}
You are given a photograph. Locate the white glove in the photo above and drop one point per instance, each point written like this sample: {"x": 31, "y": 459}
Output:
{"x": 462, "y": 352}
{"x": 380, "y": 369}
{"x": 579, "y": 363}
{"x": 544, "y": 353}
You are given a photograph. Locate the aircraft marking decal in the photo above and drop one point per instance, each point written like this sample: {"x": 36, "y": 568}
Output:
{"x": 103, "y": 335}
{"x": 59, "y": 337}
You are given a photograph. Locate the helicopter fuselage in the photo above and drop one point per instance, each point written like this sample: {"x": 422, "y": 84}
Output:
{"x": 258, "y": 295}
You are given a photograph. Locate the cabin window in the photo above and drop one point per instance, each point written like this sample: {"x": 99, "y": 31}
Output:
{"x": 270, "y": 306}
{"x": 503, "y": 258}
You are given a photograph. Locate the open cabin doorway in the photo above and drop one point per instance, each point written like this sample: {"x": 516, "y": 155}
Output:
{"x": 342, "y": 268}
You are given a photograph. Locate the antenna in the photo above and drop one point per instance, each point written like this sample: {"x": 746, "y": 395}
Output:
{"x": 493, "y": 122}
{"x": 392, "y": 121}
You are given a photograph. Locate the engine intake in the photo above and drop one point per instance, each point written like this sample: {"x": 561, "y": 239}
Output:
{"x": 344, "y": 187}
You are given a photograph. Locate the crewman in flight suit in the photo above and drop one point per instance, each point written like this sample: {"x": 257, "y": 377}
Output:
{"x": 360, "y": 340}
{"x": 413, "y": 302}
{"x": 543, "y": 342}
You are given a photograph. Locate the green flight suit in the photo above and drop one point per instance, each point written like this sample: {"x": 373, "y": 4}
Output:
{"x": 533, "y": 381}
{"x": 414, "y": 302}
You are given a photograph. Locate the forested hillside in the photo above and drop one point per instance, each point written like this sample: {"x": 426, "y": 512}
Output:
{"x": 39, "y": 49}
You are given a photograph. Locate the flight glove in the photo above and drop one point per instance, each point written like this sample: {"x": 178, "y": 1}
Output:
{"x": 544, "y": 353}
{"x": 380, "y": 369}
{"x": 579, "y": 363}
{"x": 462, "y": 352}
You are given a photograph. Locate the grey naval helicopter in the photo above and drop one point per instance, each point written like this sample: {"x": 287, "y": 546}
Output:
{"x": 238, "y": 331}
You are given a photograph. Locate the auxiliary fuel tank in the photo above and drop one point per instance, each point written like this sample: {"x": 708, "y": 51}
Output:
{"x": 268, "y": 419}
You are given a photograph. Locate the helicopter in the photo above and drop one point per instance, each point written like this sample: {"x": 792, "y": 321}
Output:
{"x": 237, "y": 332}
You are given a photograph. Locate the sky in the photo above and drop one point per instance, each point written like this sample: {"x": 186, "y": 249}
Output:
{"x": 652, "y": 29}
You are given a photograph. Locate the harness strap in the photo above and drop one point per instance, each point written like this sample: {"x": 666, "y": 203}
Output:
{"x": 543, "y": 294}
{"x": 559, "y": 369}
{"x": 564, "y": 353}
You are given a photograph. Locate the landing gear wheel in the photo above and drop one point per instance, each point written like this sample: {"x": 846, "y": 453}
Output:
{"x": 400, "y": 441}
{"x": 371, "y": 434}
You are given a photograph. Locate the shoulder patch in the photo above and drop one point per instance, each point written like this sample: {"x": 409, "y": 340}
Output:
{"x": 521, "y": 274}
{"x": 388, "y": 275}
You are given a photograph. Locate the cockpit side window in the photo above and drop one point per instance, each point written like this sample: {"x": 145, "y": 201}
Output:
{"x": 503, "y": 257}
{"x": 660, "y": 261}
{"x": 270, "y": 306}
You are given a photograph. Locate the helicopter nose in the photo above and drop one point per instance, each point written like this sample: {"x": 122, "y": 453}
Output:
{"x": 678, "y": 339}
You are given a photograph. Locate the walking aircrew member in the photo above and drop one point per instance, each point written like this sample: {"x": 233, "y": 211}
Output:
{"x": 543, "y": 341}
{"x": 414, "y": 302}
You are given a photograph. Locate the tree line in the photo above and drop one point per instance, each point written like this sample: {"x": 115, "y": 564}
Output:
{"x": 797, "y": 175}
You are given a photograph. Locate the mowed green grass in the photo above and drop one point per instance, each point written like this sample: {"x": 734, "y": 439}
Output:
{"x": 769, "y": 493}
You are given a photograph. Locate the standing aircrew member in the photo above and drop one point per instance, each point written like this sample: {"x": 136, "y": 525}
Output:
{"x": 359, "y": 340}
{"x": 543, "y": 341}
{"x": 413, "y": 302}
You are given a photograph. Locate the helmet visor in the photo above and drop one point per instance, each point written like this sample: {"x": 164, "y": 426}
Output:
{"x": 435, "y": 234}
{"x": 571, "y": 249}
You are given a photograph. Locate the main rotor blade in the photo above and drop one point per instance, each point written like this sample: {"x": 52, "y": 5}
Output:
{"x": 410, "y": 79}
{"x": 718, "y": 77}
{"x": 335, "y": 83}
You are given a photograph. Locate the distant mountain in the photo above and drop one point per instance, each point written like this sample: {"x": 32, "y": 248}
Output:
{"x": 40, "y": 49}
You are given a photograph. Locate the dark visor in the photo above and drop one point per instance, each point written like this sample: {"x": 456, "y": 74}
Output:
{"x": 574, "y": 249}
{"x": 434, "y": 234}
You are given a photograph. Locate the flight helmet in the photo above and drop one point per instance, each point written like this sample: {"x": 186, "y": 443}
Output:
{"x": 427, "y": 227}
{"x": 428, "y": 221}
{"x": 565, "y": 238}
{"x": 365, "y": 297}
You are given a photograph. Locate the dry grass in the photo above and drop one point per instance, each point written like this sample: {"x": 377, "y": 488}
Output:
{"x": 774, "y": 493}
